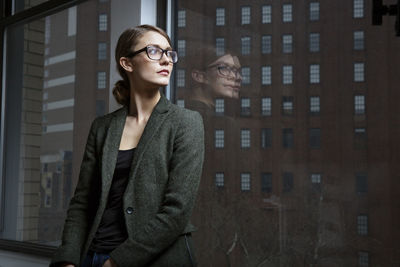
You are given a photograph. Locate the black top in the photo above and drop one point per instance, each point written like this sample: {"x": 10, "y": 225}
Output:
{"x": 112, "y": 230}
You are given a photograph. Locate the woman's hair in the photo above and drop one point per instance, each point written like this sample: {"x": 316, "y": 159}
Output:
{"x": 128, "y": 39}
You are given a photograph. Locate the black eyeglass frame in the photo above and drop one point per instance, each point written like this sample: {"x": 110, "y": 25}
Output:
{"x": 234, "y": 71}
{"x": 164, "y": 51}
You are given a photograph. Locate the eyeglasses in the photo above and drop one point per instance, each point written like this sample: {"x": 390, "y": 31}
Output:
{"x": 156, "y": 53}
{"x": 227, "y": 71}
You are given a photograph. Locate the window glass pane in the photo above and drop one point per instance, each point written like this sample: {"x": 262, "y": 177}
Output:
{"x": 266, "y": 14}
{"x": 287, "y": 13}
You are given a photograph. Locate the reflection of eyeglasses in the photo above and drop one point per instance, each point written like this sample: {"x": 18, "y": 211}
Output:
{"x": 156, "y": 53}
{"x": 227, "y": 71}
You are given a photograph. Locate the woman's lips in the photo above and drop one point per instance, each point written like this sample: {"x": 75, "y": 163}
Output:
{"x": 163, "y": 72}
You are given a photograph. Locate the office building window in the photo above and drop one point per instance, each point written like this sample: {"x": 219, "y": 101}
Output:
{"x": 220, "y": 16}
{"x": 246, "y": 75}
{"x": 360, "y": 138}
{"x": 266, "y": 182}
{"x": 219, "y": 139}
{"x": 266, "y": 75}
{"x": 180, "y": 78}
{"x": 359, "y": 104}
{"x": 266, "y": 44}
{"x": 314, "y": 73}
{"x": 101, "y": 80}
{"x": 315, "y": 107}
{"x": 266, "y": 106}
{"x": 266, "y": 137}
{"x": 362, "y": 224}
{"x": 245, "y": 138}
{"x": 102, "y": 51}
{"x": 246, "y": 15}
{"x": 181, "y": 48}
{"x": 246, "y": 45}
{"x": 287, "y": 105}
{"x": 100, "y": 108}
{"x": 103, "y": 22}
{"x": 359, "y": 72}
{"x": 314, "y": 42}
{"x": 180, "y": 103}
{"x": 358, "y": 38}
{"x": 287, "y": 43}
{"x": 358, "y": 8}
{"x": 363, "y": 259}
{"x": 266, "y": 14}
{"x": 287, "y": 77}
{"x": 219, "y": 179}
{"x": 316, "y": 182}
{"x": 219, "y": 106}
{"x": 287, "y": 182}
{"x": 361, "y": 183}
{"x": 287, "y": 138}
{"x": 220, "y": 46}
{"x": 181, "y": 18}
{"x": 245, "y": 181}
{"x": 315, "y": 138}
{"x": 245, "y": 106}
{"x": 314, "y": 11}
{"x": 287, "y": 13}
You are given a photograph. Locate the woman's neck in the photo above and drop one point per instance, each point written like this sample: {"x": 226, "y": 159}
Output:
{"x": 200, "y": 94}
{"x": 142, "y": 104}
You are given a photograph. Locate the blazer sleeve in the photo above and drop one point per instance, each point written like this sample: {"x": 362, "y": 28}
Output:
{"x": 76, "y": 224}
{"x": 151, "y": 239}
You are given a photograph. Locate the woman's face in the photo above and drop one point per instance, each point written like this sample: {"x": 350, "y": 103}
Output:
{"x": 149, "y": 72}
{"x": 223, "y": 76}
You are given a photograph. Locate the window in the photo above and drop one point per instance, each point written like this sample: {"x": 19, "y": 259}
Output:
{"x": 245, "y": 106}
{"x": 220, "y": 46}
{"x": 246, "y": 45}
{"x": 287, "y": 43}
{"x": 103, "y": 22}
{"x": 287, "y": 77}
{"x": 287, "y": 105}
{"x": 245, "y": 75}
{"x": 287, "y": 182}
{"x": 314, "y": 42}
{"x": 246, "y": 15}
{"x": 363, "y": 259}
{"x": 287, "y": 13}
{"x": 316, "y": 182}
{"x": 314, "y": 11}
{"x": 266, "y": 75}
{"x": 361, "y": 183}
{"x": 245, "y": 181}
{"x": 266, "y": 137}
{"x": 245, "y": 138}
{"x": 181, "y": 48}
{"x": 219, "y": 179}
{"x": 358, "y": 38}
{"x": 288, "y": 138}
{"x": 314, "y": 105}
{"x": 266, "y": 44}
{"x": 315, "y": 138}
{"x": 219, "y": 106}
{"x": 359, "y": 72}
{"x": 102, "y": 51}
{"x": 266, "y": 182}
{"x": 220, "y": 16}
{"x": 362, "y": 224}
{"x": 266, "y": 106}
{"x": 360, "y": 138}
{"x": 181, "y": 18}
{"x": 180, "y": 103}
{"x": 314, "y": 73}
{"x": 101, "y": 80}
{"x": 358, "y": 8}
{"x": 100, "y": 108}
{"x": 219, "y": 138}
{"x": 266, "y": 14}
{"x": 180, "y": 78}
{"x": 359, "y": 104}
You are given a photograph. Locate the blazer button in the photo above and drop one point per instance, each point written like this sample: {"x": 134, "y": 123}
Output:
{"x": 129, "y": 210}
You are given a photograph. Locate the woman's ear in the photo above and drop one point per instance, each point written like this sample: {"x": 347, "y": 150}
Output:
{"x": 126, "y": 64}
{"x": 199, "y": 76}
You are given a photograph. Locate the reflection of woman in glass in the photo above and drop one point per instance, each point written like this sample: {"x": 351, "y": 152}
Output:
{"x": 141, "y": 169}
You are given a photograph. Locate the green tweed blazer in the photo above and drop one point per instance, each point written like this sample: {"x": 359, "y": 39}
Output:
{"x": 160, "y": 194}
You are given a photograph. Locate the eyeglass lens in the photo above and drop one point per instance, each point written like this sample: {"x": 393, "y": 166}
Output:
{"x": 227, "y": 71}
{"x": 156, "y": 53}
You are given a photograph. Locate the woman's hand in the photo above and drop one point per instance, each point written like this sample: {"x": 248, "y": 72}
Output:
{"x": 109, "y": 263}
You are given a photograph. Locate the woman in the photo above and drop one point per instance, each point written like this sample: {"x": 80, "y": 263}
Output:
{"x": 140, "y": 171}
